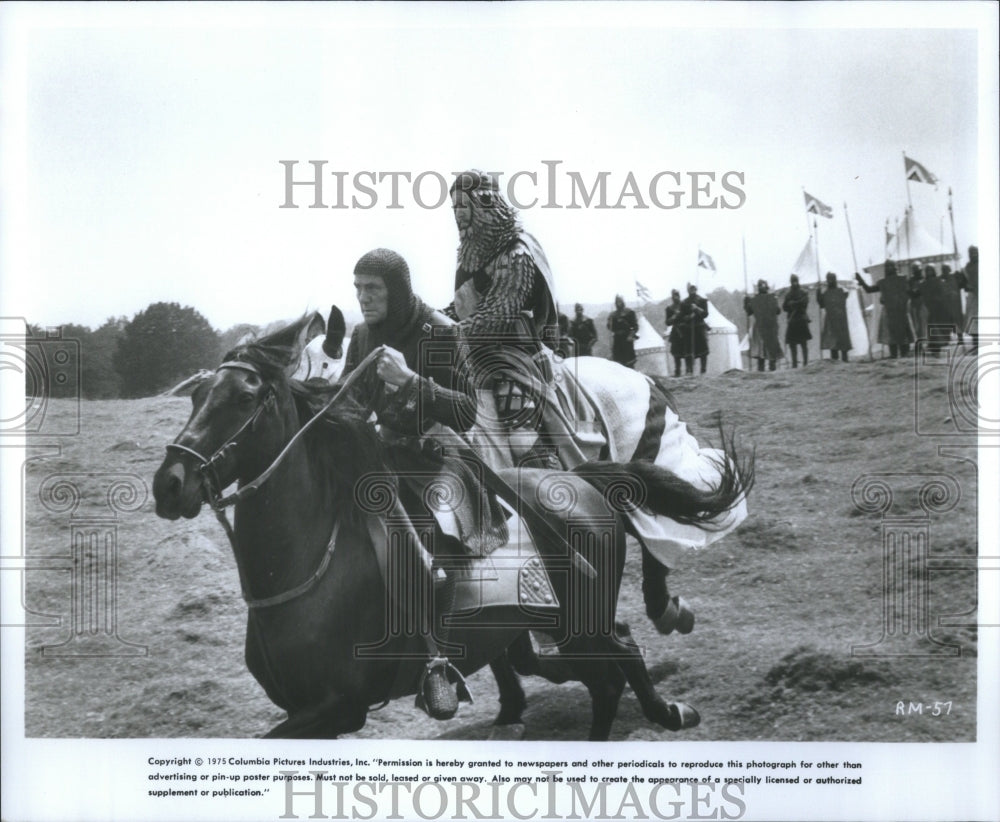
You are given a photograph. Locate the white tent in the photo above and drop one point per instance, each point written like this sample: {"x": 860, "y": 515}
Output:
{"x": 723, "y": 343}
{"x": 806, "y": 268}
{"x": 650, "y": 349}
{"x": 913, "y": 243}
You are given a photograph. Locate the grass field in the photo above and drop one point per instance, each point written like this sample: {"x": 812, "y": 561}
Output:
{"x": 779, "y": 604}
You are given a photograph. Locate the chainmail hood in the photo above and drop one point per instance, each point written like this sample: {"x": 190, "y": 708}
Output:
{"x": 494, "y": 225}
{"x": 403, "y": 304}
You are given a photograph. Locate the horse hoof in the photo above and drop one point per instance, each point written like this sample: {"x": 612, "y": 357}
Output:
{"x": 688, "y": 716}
{"x": 685, "y": 619}
{"x": 677, "y": 616}
{"x": 513, "y": 732}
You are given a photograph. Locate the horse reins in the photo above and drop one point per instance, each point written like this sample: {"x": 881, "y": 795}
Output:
{"x": 218, "y": 504}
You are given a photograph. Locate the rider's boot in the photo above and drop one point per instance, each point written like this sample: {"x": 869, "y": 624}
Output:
{"x": 441, "y": 686}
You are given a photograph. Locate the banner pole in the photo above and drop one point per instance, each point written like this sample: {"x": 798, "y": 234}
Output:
{"x": 861, "y": 301}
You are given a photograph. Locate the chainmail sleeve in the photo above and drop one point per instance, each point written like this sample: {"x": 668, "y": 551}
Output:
{"x": 509, "y": 294}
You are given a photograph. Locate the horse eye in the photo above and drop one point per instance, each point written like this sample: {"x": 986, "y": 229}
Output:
{"x": 246, "y": 398}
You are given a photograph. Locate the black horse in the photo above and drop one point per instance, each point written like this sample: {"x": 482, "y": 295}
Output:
{"x": 312, "y": 577}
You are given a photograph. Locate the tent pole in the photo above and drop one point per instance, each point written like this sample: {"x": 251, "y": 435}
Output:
{"x": 907, "y": 178}
{"x": 819, "y": 311}
{"x": 745, "y": 286}
{"x": 690, "y": 357}
{"x": 861, "y": 302}
{"x": 951, "y": 216}
{"x": 808, "y": 227}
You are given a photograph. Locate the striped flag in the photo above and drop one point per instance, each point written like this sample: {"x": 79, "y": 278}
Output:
{"x": 704, "y": 261}
{"x": 642, "y": 292}
{"x": 814, "y": 206}
{"x": 917, "y": 172}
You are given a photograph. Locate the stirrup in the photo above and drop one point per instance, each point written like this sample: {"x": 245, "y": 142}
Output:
{"x": 435, "y": 695}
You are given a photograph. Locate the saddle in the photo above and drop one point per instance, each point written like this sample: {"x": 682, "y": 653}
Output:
{"x": 536, "y": 398}
{"x": 510, "y": 581}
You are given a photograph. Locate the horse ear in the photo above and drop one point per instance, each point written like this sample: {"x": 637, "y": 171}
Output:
{"x": 309, "y": 327}
{"x": 295, "y": 337}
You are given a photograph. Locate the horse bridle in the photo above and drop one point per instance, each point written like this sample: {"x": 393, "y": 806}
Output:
{"x": 208, "y": 466}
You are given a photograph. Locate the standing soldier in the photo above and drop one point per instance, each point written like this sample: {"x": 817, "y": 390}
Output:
{"x": 583, "y": 332}
{"x": 835, "y": 337}
{"x": 970, "y": 282}
{"x": 951, "y": 283}
{"x": 938, "y": 311}
{"x": 893, "y": 324}
{"x": 679, "y": 331}
{"x": 918, "y": 308}
{"x": 624, "y": 328}
{"x": 695, "y": 313}
{"x": 764, "y": 345}
{"x": 796, "y": 306}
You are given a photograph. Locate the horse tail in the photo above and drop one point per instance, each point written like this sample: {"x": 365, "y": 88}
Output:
{"x": 643, "y": 485}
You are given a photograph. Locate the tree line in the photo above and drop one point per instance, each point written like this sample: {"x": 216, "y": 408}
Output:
{"x": 156, "y": 349}
{"x": 167, "y": 342}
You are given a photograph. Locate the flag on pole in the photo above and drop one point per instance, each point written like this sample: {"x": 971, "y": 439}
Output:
{"x": 642, "y": 292}
{"x": 917, "y": 172}
{"x": 704, "y": 261}
{"x": 814, "y": 206}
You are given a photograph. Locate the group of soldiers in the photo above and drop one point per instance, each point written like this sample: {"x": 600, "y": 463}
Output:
{"x": 686, "y": 319}
{"x": 764, "y": 309}
{"x": 925, "y": 308}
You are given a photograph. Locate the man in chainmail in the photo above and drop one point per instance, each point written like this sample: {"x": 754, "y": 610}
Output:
{"x": 505, "y": 307}
{"x": 503, "y": 277}
{"x": 418, "y": 392}
{"x": 504, "y": 301}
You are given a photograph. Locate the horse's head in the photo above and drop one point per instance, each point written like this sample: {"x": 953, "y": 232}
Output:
{"x": 242, "y": 416}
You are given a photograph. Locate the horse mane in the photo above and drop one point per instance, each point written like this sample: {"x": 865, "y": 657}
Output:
{"x": 343, "y": 438}
{"x": 344, "y": 442}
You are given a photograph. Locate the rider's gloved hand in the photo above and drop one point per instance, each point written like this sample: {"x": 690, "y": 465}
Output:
{"x": 392, "y": 368}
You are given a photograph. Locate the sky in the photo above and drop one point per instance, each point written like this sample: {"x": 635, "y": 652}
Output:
{"x": 143, "y": 145}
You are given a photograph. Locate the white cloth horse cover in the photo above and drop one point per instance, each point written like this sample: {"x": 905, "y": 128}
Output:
{"x": 632, "y": 411}
{"x": 626, "y": 399}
